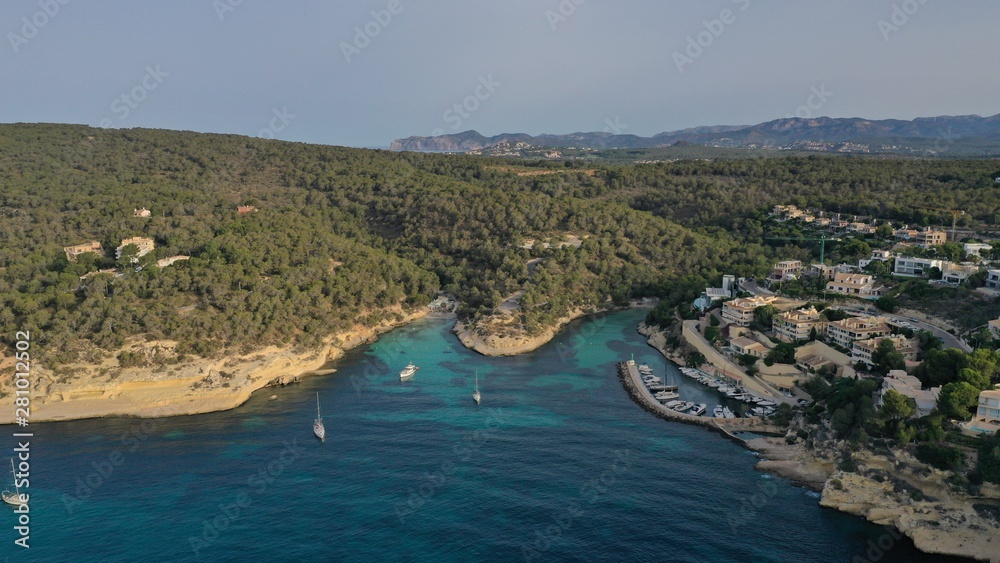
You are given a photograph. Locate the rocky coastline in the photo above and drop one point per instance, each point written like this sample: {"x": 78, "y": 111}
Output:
{"x": 892, "y": 488}
{"x": 195, "y": 386}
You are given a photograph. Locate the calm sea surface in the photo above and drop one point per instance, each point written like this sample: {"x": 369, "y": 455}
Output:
{"x": 557, "y": 464}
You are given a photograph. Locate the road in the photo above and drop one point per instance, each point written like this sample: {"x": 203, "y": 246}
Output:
{"x": 948, "y": 340}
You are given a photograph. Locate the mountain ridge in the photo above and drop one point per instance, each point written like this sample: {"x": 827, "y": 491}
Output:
{"x": 775, "y": 133}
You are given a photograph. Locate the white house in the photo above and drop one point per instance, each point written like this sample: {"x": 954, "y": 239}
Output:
{"x": 909, "y": 386}
{"x": 911, "y": 266}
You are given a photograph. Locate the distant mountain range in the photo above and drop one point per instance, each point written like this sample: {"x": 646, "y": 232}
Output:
{"x": 814, "y": 133}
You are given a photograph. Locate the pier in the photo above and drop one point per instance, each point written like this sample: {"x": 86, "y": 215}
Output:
{"x": 628, "y": 373}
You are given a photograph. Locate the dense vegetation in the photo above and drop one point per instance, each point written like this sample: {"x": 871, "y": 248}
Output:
{"x": 344, "y": 236}
{"x": 341, "y": 236}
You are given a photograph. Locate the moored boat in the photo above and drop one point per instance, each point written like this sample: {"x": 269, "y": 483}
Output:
{"x": 408, "y": 372}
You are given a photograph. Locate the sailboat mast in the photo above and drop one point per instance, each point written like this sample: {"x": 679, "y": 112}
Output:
{"x": 14, "y": 475}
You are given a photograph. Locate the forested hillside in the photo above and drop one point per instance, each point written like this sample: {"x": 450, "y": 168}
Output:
{"x": 342, "y": 236}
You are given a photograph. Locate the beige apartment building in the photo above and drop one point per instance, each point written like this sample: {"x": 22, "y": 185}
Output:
{"x": 740, "y": 311}
{"x": 844, "y": 332}
{"x": 796, "y": 325}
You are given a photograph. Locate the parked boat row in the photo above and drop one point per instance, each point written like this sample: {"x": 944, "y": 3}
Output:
{"x": 667, "y": 394}
{"x": 762, "y": 406}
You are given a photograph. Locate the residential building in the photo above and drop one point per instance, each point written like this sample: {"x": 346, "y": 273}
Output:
{"x": 911, "y": 266}
{"x": 862, "y": 228}
{"x": 822, "y": 270}
{"x": 906, "y": 234}
{"x": 993, "y": 279}
{"x": 77, "y": 249}
{"x": 957, "y": 273}
{"x": 244, "y": 209}
{"x": 877, "y": 256}
{"x": 822, "y": 222}
{"x": 931, "y": 238}
{"x": 844, "y": 332}
{"x": 740, "y": 311}
{"x": 976, "y": 249}
{"x": 145, "y": 245}
{"x": 839, "y": 224}
{"x": 796, "y": 325}
{"x": 861, "y": 285}
{"x": 908, "y": 386}
{"x": 862, "y": 350}
{"x": 987, "y": 417}
{"x": 744, "y": 345}
{"x": 787, "y": 270}
{"x": 142, "y": 213}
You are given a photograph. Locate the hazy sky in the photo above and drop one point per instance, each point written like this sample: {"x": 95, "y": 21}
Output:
{"x": 335, "y": 73}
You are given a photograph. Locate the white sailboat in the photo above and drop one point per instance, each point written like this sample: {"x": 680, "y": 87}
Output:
{"x": 475, "y": 393}
{"x": 318, "y": 428}
{"x": 15, "y": 497}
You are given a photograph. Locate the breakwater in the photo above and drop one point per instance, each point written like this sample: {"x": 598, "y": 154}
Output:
{"x": 629, "y": 376}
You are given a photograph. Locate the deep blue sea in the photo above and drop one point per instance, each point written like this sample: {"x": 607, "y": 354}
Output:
{"x": 557, "y": 464}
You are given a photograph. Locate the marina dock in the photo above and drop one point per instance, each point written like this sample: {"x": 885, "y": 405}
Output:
{"x": 628, "y": 373}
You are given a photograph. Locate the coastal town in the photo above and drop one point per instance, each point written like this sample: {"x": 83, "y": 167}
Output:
{"x": 848, "y": 325}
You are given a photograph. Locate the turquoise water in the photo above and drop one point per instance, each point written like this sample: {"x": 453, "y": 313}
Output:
{"x": 557, "y": 464}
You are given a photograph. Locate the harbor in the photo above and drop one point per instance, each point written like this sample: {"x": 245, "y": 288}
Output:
{"x": 632, "y": 379}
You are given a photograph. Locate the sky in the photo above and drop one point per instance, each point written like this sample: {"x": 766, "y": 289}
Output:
{"x": 363, "y": 73}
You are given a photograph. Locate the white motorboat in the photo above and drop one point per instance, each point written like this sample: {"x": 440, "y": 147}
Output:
{"x": 698, "y": 409}
{"x": 408, "y": 372}
{"x": 718, "y": 413}
{"x": 727, "y": 413}
{"x": 673, "y": 404}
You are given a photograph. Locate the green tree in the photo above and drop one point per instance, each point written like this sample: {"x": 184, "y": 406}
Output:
{"x": 941, "y": 366}
{"x": 887, "y": 304}
{"x": 975, "y": 378}
{"x": 783, "y": 353}
{"x": 988, "y": 464}
{"x": 886, "y": 357}
{"x": 957, "y": 398}
{"x": 712, "y": 333}
{"x": 896, "y": 406}
{"x": 696, "y": 359}
{"x": 763, "y": 316}
{"x": 129, "y": 256}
